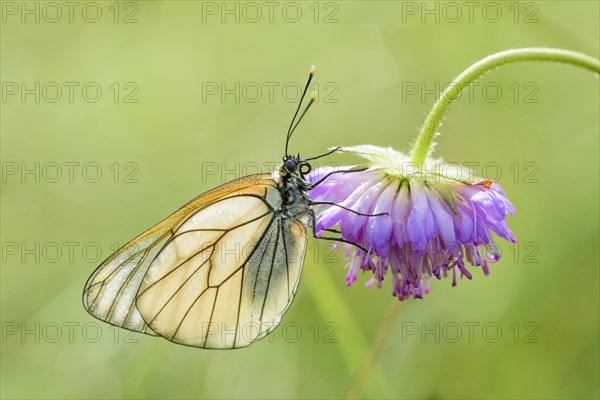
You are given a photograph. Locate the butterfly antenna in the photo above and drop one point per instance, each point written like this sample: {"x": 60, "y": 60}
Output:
{"x": 292, "y": 126}
{"x": 313, "y": 98}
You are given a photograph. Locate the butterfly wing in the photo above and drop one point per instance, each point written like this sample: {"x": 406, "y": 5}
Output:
{"x": 218, "y": 273}
{"x": 111, "y": 290}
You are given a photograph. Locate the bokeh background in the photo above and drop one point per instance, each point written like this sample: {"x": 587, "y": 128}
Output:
{"x": 180, "y": 112}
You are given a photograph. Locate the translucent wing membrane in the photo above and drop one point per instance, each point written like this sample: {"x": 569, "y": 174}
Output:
{"x": 111, "y": 291}
{"x": 218, "y": 273}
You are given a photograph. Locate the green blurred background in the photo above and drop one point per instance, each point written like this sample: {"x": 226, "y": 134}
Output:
{"x": 159, "y": 136}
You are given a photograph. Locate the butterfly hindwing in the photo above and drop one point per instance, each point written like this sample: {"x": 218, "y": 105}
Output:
{"x": 271, "y": 279}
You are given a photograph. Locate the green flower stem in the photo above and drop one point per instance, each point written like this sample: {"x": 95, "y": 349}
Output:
{"x": 423, "y": 143}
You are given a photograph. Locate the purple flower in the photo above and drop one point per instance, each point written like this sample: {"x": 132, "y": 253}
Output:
{"x": 433, "y": 221}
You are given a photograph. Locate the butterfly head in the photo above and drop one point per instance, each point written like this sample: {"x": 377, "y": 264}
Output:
{"x": 294, "y": 165}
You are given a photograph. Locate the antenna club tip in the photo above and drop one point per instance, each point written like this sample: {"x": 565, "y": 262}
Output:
{"x": 313, "y": 69}
{"x": 313, "y": 96}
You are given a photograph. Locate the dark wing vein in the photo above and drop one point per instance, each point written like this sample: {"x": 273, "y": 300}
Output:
{"x": 212, "y": 312}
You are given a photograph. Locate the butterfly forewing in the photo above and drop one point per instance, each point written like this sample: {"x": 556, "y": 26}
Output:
{"x": 111, "y": 291}
{"x": 218, "y": 273}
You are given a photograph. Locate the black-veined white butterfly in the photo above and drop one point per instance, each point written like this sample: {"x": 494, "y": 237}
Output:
{"x": 219, "y": 272}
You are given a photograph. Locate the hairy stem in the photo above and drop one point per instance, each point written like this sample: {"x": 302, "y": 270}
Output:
{"x": 423, "y": 143}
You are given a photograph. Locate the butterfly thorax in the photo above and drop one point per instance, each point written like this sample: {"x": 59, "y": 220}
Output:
{"x": 292, "y": 186}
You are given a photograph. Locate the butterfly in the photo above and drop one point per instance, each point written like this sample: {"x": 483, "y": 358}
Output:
{"x": 220, "y": 272}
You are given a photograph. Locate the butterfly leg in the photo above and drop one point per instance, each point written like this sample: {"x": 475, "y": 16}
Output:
{"x": 317, "y": 183}
{"x": 314, "y": 230}
{"x": 331, "y": 203}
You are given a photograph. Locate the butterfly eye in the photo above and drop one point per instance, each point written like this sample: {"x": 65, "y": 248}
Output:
{"x": 290, "y": 165}
{"x": 305, "y": 168}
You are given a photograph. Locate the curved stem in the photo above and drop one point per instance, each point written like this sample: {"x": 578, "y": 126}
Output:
{"x": 423, "y": 143}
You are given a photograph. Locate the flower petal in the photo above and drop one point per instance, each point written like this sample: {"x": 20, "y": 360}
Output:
{"x": 421, "y": 224}
{"x": 379, "y": 229}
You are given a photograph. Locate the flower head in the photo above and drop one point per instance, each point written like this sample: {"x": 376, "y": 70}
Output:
{"x": 432, "y": 218}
